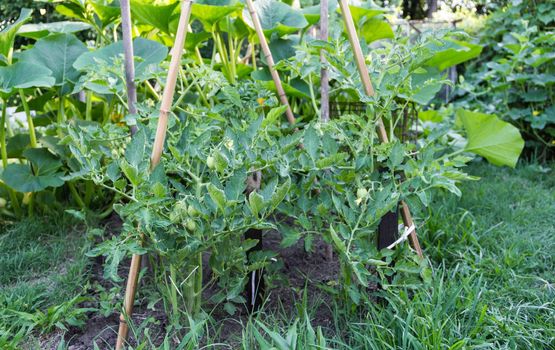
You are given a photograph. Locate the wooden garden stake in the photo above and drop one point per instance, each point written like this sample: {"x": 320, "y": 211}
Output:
{"x": 129, "y": 60}
{"x": 165, "y": 108}
{"x": 324, "y": 77}
{"x": 256, "y": 281}
{"x": 382, "y": 134}
{"x": 270, "y": 61}
{"x": 324, "y": 88}
{"x": 167, "y": 96}
{"x": 407, "y": 219}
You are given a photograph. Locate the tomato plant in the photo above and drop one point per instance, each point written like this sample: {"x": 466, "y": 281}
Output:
{"x": 332, "y": 181}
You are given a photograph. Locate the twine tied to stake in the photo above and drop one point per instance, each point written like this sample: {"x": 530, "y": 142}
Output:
{"x": 403, "y": 237}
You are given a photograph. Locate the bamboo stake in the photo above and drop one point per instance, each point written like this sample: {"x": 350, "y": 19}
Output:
{"x": 128, "y": 301}
{"x": 324, "y": 88}
{"x": 129, "y": 60}
{"x": 324, "y": 77}
{"x": 165, "y": 107}
{"x": 169, "y": 89}
{"x": 365, "y": 78}
{"x": 407, "y": 220}
{"x": 360, "y": 62}
{"x": 270, "y": 61}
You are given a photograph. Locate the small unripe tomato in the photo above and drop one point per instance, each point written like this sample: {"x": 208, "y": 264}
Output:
{"x": 191, "y": 225}
{"x": 211, "y": 162}
{"x": 362, "y": 192}
{"x": 2, "y": 202}
{"x": 192, "y": 211}
{"x": 175, "y": 217}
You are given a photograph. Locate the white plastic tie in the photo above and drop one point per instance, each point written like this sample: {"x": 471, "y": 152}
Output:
{"x": 403, "y": 237}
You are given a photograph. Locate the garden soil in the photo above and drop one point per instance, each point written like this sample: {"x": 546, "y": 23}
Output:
{"x": 297, "y": 269}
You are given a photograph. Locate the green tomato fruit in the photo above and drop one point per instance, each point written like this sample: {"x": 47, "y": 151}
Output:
{"x": 211, "y": 162}
{"x": 191, "y": 225}
{"x": 175, "y": 217}
{"x": 362, "y": 192}
{"x": 192, "y": 211}
{"x": 2, "y": 202}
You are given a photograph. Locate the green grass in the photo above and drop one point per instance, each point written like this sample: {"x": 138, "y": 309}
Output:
{"x": 493, "y": 252}
{"x": 43, "y": 270}
{"x": 493, "y": 257}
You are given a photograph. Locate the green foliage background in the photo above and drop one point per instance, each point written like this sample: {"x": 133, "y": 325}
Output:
{"x": 515, "y": 74}
{"x": 10, "y": 9}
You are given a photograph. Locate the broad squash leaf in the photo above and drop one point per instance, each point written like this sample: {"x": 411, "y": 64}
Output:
{"x": 430, "y": 115}
{"x": 40, "y": 30}
{"x": 488, "y": 136}
{"x": 194, "y": 40}
{"x": 452, "y": 52}
{"x": 22, "y": 75}
{"x": 57, "y": 52}
{"x": 41, "y": 172}
{"x": 210, "y": 12}
{"x": 296, "y": 87}
{"x": 106, "y": 13}
{"x": 147, "y": 53}
{"x": 17, "y": 144}
{"x": 159, "y": 16}
{"x": 7, "y": 35}
{"x": 312, "y": 13}
{"x": 364, "y": 10}
{"x": 276, "y": 17}
{"x": 376, "y": 29}
{"x": 235, "y": 27}
{"x": 73, "y": 9}
{"x": 282, "y": 48}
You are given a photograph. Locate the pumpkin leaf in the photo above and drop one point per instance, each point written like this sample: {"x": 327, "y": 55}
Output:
{"x": 312, "y": 13}
{"x": 158, "y": 16}
{"x": 41, "y": 172}
{"x": 365, "y": 11}
{"x": 376, "y": 29}
{"x": 147, "y": 53}
{"x": 296, "y": 87}
{"x": 282, "y": 48}
{"x": 452, "y": 52}
{"x": 17, "y": 144}
{"x": 488, "y": 136}
{"x": 57, "y": 52}
{"x": 7, "y": 35}
{"x": 22, "y": 75}
{"x": 40, "y": 30}
{"x": 106, "y": 13}
{"x": 210, "y": 12}
{"x": 276, "y": 17}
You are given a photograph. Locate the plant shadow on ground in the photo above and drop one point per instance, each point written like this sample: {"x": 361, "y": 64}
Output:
{"x": 493, "y": 286}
